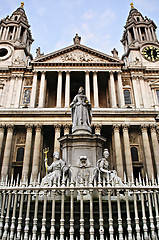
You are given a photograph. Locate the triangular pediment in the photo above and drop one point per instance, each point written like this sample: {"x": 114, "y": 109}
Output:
{"x": 77, "y": 54}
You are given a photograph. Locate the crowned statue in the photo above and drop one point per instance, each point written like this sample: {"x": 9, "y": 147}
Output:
{"x": 81, "y": 112}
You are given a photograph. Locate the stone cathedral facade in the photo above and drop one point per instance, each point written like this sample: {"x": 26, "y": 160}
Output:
{"x": 35, "y": 95}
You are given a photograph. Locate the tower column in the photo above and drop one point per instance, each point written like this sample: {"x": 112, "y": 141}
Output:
{"x": 112, "y": 91}
{"x": 4, "y": 33}
{"x": 128, "y": 160}
{"x": 42, "y": 91}
{"x": 7, "y": 31}
{"x": 57, "y": 135}
{"x": 143, "y": 90}
{"x": 67, "y": 90}
{"x": 34, "y": 90}
{"x": 95, "y": 89}
{"x": 147, "y": 36}
{"x": 18, "y": 91}
{"x": 140, "y": 36}
{"x": 153, "y": 34}
{"x": 7, "y": 152}
{"x": 118, "y": 153}
{"x": 27, "y": 153}
{"x": 135, "y": 90}
{"x": 10, "y": 92}
{"x": 147, "y": 151}
{"x": 36, "y": 154}
{"x": 120, "y": 91}
{"x": 150, "y": 35}
{"x": 13, "y": 33}
{"x": 1, "y": 29}
{"x": 155, "y": 146}
{"x": 87, "y": 85}
{"x": 59, "y": 90}
{"x": 1, "y": 138}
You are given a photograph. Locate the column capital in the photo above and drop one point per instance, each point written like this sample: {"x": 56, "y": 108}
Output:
{"x": 87, "y": 71}
{"x": 35, "y": 72}
{"x": 57, "y": 127}
{"x": 98, "y": 128}
{"x": 111, "y": 72}
{"x": 43, "y": 72}
{"x": 10, "y": 127}
{"x": 66, "y": 127}
{"x": 38, "y": 127}
{"x": 2, "y": 126}
{"x": 119, "y": 72}
{"x": 125, "y": 127}
{"x": 95, "y": 72}
{"x": 116, "y": 127}
{"x": 153, "y": 127}
{"x": 67, "y": 71}
{"x": 29, "y": 127}
{"x": 144, "y": 127}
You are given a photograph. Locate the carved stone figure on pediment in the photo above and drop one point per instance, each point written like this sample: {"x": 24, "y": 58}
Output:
{"x": 21, "y": 138}
{"x": 102, "y": 171}
{"x": 18, "y": 61}
{"x": 28, "y": 82}
{"x": 57, "y": 171}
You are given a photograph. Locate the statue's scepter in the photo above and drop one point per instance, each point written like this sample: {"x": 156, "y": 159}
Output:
{"x": 45, "y": 151}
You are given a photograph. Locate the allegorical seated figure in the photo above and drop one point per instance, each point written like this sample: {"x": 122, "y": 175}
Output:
{"x": 81, "y": 111}
{"x": 56, "y": 170}
{"x": 103, "y": 168}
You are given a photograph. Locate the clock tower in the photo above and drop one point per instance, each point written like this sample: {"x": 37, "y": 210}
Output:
{"x": 15, "y": 40}
{"x": 141, "y": 46}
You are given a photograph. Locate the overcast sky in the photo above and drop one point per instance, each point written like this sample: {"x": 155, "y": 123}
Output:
{"x": 100, "y": 23}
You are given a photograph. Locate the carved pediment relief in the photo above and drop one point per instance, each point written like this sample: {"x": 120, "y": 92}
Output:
{"x": 77, "y": 56}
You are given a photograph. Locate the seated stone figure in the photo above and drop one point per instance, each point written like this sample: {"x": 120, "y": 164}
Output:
{"x": 103, "y": 169}
{"x": 56, "y": 171}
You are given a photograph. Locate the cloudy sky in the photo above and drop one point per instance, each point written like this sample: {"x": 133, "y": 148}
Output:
{"x": 100, "y": 23}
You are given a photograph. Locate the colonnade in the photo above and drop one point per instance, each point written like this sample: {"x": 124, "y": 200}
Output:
{"x": 114, "y": 100}
{"x": 121, "y": 153}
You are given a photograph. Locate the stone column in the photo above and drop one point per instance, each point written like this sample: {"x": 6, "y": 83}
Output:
{"x": 140, "y": 36}
{"x": 118, "y": 153}
{"x": 128, "y": 160}
{"x": 1, "y": 138}
{"x": 147, "y": 36}
{"x": 66, "y": 129}
{"x": 18, "y": 90}
{"x": 13, "y": 33}
{"x": 153, "y": 34}
{"x": 87, "y": 85}
{"x": 27, "y": 153}
{"x": 1, "y": 29}
{"x": 146, "y": 144}
{"x": 155, "y": 146}
{"x": 34, "y": 90}
{"x": 36, "y": 154}
{"x": 7, "y": 152}
{"x": 143, "y": 92}
{"x": 6, "y": 36}
{"x": 135, "y": 33}
{"x": 95, "y": 90}
{"x": 129, "y": 37}
{"x": 57, "y": 135}
{"x": 150, "y": 35}
{"x": 42, "y": 91}
{"x": 135, "y": 90}
{"x": 67, "y": 90}
{"x": 112, "y": 91}
{"x": 4, "y": 33}
{"x": 98, "y": 129}
{"x": 59, "y": 90}
{"x": 10, "y": 92}
{"x": 120, "y": 91}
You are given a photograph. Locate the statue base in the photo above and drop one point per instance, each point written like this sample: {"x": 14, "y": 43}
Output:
{"x": 75, "y": 145}
{"x": 81, "y": 130}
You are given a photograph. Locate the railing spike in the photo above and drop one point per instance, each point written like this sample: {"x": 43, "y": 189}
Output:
{"x": 132, "y": 179}
{"x": 147, "y": 181}
{"x": 140, "y": 180}
{"x": 6, "y": 183}
{"x": 125, "y": 180}
{"x": 39, "y": 178}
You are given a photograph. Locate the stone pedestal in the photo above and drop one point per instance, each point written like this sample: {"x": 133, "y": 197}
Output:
{"x": 75, "y": 145}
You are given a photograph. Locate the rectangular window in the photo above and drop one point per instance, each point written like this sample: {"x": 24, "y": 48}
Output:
{"x": 127, "y": 96}
{"x": 157, "y": 92}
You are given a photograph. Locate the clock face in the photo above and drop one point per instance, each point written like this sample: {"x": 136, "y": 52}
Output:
{"x": 151, "y": 53}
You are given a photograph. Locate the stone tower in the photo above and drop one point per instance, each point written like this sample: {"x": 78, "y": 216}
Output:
{"x": 15, "y": 39}
{"x": 141, "y": 47}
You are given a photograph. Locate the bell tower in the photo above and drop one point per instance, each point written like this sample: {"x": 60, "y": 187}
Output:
{"x": 141, "y": 47}
{"x": 15, "y": 39}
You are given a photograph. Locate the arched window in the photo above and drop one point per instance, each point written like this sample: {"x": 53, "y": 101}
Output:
{"x": 127, "y": 96}
{"x": 134, "y": 154}
{"x": 138, "y": 19}
{"x": 20, "y": 154}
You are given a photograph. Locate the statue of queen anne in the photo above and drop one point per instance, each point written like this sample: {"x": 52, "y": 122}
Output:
{"x": 81, "y": 112}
